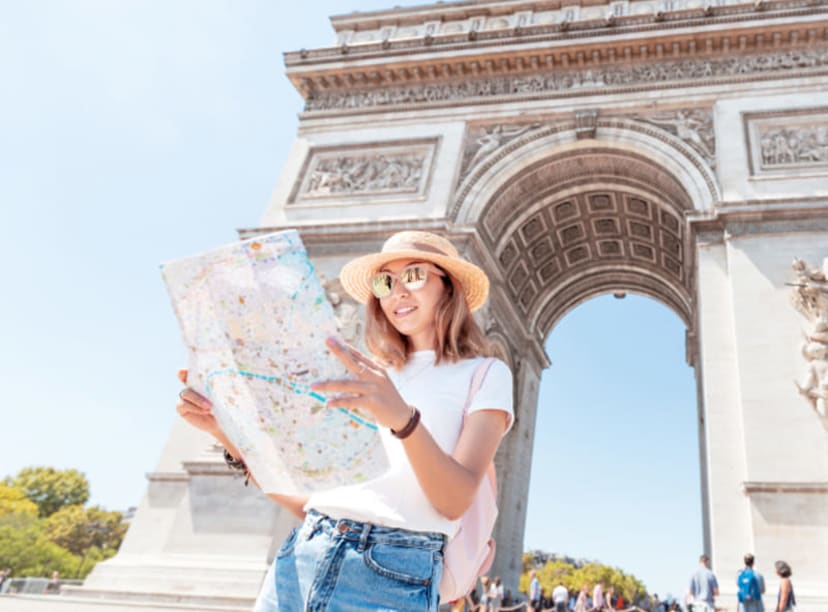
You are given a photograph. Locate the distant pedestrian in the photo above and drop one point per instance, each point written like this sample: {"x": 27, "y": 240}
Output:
{"x": 484, "y": 593}
{"x": 785, "y": 599}
{"x": 534, "y": 592}
{"x": 53, "y": 586}
{"x": 704, "y": 588}
{"x": 748, "y": 591}
{"x": 598, "y": 596}
{"x": 495, "y": 595}
{"x": 582, "y": 603}
{"x": 560, "y": 595}
{"x": 609, "y": 598}
{"x": 5, "y": 575}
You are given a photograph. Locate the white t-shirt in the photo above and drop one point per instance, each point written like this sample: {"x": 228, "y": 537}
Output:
{"x": 440, "y": 392}
{"x": 560, "y": 594}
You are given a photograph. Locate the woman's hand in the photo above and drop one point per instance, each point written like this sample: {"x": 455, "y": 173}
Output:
{"x": 372, "y": 390}
{"x": 196, "y": 409}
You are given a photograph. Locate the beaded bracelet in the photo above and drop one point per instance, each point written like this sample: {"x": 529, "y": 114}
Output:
{"x": 237, "y": 465}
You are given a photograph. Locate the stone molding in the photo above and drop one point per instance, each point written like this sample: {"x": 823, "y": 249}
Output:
{"x": 576, "y": 80}
{"x": 365, "y": 35}
{"x": 486, "y": 145}
{"x": 475, "y": 174}
{"x": 750, "y": 488}
{"x": 356, "y": 172}
{"x": 787, "y": 143}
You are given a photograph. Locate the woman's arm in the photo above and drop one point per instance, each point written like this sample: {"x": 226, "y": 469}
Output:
{"x": 448, "y": 481}
{"x": 197, "y": 411}
{"x": 784, "y": 594}
{"x": 451, "y": 481}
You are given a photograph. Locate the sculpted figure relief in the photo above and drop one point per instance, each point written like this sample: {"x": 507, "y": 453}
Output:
{"x": 808, "y": 145}
{"x": 488, "y": 140}
{"x": 695, "y": 127}
{"x": 810, "y": 297}
{"x": 364, "y": 174}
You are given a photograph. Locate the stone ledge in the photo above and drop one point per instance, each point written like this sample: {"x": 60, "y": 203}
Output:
{"x": 750, "y": 488}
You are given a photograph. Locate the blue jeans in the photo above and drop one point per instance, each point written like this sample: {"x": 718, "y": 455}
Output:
{"x": 345, "y": 566}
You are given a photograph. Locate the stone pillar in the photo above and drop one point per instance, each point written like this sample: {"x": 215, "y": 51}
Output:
{"x": 514, "y": 464}
{"x": 728, "y": 511}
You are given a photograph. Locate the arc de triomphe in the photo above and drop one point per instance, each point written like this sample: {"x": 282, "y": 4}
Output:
{"x": 672, "y": 148}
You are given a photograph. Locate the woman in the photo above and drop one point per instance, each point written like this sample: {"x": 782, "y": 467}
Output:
{"x": 377, "y": 545}
{"x": 495, "y": 595}
{"x": 785, "y": 600}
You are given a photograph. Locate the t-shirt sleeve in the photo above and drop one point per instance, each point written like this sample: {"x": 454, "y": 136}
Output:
{"x": 495, "y": 392}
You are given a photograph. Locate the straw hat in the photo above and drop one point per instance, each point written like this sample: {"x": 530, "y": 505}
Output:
{"x": 421, "y": 246}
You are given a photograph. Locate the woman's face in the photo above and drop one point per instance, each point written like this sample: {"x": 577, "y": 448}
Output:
{"x": 412, "y": 312}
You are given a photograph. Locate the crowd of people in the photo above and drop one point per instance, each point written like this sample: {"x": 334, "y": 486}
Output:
{"x": 701, "y": 596}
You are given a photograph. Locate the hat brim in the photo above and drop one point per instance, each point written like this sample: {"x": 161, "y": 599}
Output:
{"x": 356, "y": 275}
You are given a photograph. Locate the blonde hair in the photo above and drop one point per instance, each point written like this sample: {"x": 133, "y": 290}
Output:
{"x": 458, "y": 335}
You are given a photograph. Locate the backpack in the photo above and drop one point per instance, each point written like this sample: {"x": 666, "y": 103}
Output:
{"x": 748, "y": 586}
{"x": 470, "y": 551}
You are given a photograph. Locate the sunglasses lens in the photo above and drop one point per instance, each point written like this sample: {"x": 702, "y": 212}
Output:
{"x": 413, "y": 277}
{"x": 381, "y": 284}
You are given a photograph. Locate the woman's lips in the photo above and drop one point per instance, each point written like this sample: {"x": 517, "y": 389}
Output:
{"x": 404, "y": 311}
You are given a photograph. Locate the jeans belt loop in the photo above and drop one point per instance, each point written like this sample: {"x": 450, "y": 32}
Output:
{"x": 363, "y": 537}
{"x": 315, "y": 526}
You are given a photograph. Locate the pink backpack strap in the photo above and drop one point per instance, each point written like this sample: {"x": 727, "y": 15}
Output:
{"x": 477, "y": 380}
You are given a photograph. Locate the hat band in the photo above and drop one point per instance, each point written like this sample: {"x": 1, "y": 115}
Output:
{"x": 421, "y": 246}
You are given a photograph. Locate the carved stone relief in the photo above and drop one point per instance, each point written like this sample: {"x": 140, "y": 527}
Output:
{"x": 786, "y": 143}
{"x": 693, "y": 126}
{"x": 810, "y": 297}
{"x": 644, "y": 74}
{"x": 483, "y": 140}
{"x": 356, "y": 172}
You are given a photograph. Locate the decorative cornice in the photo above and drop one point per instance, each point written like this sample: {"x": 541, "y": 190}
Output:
{"x": 751, "y": 488}
{"x": 574, "y": 80}
{"x": 435, "y": 31}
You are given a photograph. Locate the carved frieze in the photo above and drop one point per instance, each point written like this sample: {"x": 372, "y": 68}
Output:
{"x": 481, "y": 141}
{"x": 810, "y": 297}
{"x": 694, "y": 126}
{"x": 356, "y": 172}
{"x": 648, "y": 75}
{"x": 785, "y": 143}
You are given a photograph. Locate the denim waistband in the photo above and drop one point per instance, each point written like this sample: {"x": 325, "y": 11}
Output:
{"x": 368, "y": 533}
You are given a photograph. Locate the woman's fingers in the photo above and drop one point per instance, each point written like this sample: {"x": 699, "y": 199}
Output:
{"x": 195, "y": 398}
{"x": 343, "y": 353}
{"x": 343, "y": 386}
{"x": 356, "y": 362}
{"x": 182, "y": 376}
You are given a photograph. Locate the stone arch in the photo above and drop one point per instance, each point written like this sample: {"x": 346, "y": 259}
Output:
{"x": 539, "y": 142}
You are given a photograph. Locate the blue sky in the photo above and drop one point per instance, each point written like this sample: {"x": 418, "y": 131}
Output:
{"x": 134, "y": 132}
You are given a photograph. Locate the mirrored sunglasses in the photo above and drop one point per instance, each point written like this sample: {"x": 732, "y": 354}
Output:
{"x": 412, "y": 278}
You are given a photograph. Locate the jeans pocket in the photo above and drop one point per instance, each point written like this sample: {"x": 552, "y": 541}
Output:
{"x": 289, "y": 543}
{"x": 401, "y": 563}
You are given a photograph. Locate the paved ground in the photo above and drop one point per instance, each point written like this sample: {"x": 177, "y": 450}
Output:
{"x": 57, "y": 603}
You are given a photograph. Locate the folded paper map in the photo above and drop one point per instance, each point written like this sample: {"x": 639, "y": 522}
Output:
{"x": 254, "y": 317}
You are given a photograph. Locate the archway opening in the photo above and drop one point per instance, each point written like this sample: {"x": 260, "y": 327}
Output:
{"x": 615, "y": 466}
